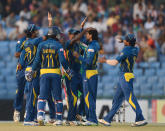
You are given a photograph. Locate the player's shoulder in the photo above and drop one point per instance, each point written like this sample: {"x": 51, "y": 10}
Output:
{"x": 36, "y": 39}
{"x": 125, "y": 51}
{"x": 59, "y": 45}
{"x": 98, "y": 45}
{"x": 95, "y": 46}
{"x": 27, "y": 42}
{"x": 136, "y": 50}
{"x": 42, "y": 44}
{"x": 129, "y": 50}
{"x": 21, "y": 40}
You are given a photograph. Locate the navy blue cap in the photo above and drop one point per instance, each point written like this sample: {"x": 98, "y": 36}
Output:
{"x": 73, "y": 31}
{"x": 130, "y": 38}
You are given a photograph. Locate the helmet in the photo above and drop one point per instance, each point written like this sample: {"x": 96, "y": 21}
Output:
{"x": 73, "y": 31}
{"x": 32, "y": 28}
{"x": 130, "y": 38}
{"x": 54, "y": 31}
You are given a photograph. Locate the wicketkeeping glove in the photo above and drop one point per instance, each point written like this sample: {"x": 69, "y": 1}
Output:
{"x": 28, "y": 74}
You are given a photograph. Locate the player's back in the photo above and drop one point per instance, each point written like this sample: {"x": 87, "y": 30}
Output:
{"x": 30, "y": 47}
{"x": 30, "y": 51}
{"x": 127, "y": 64}
{"x": 49, "y": 51}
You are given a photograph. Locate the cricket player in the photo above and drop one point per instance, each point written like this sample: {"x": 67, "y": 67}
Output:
{"x": 33, "y": 87}
{"x": 49, "y": 56}
{"x": 74, "y": 84}
{"x": 30, "y": 48}
{"x": 90, "y": 76}
{"x": 124, "y": 91}
{"x": 20, "y": 76}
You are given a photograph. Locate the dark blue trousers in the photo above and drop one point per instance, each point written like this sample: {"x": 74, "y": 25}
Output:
{"x": 50, "y": 81}
{"x": 90, "y": 94}
{"x": 124, "y": 92}
{"x": 31, "y": 100}
{"x": 73, "y": 86}
{"x": 81, "y": 107}
{"x": 51, "y": 105}
{"x": 21, "y": 81}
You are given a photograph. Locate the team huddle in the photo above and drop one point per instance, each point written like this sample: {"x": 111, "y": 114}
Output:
{"x": 46, "y": 64}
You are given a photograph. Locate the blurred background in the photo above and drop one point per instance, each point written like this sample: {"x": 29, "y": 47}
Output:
{"x": 112, "y": 18}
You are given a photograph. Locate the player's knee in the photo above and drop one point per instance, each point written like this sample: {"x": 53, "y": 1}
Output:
{"x": 58, "y": 98}
{"x": 43, "y": 97}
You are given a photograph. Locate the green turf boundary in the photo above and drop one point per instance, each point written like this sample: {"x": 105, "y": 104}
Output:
{"x": 10, "y": 126}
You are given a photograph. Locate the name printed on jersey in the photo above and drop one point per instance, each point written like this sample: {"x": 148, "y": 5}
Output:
{"x": 52, "y": 51}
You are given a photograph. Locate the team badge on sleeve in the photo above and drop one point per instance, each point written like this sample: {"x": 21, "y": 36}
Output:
{"x": 90, "y": 50}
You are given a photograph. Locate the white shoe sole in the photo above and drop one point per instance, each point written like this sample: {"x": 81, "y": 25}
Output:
{"x": 139, "y": 124}
{"x": 103, "y": 122}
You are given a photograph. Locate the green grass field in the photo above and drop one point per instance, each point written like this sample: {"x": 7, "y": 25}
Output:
{"x": 9, "y": 126}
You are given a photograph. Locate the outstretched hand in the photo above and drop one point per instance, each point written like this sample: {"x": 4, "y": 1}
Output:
{"x": 102, "y": 59}
{"x": 50, "y": 19}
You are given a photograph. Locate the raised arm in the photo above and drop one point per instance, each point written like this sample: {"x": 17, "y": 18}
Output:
{"x": 83, "y": 22}
{"x": 78, "y": 37}
{"x": 113, "y": 62}
{"x": 50, "y": 19}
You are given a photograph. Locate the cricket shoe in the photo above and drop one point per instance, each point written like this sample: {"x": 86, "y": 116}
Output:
{"x": 80, "y": 118}
{"x": 72, "y": 123}
{"x": 58, "y": 123}
{"x": 139, "y": 123}
{"x": 16, "y": 116}
{"x": 51, "y": 121}
{"x": 30, "y": 123}
{"x": 105, "y": 123}
{"x": 89, "y": 123}
{"x": 40, "y": 120}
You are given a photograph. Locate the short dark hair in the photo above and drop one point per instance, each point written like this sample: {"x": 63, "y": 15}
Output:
{"x": 94, "y": 34}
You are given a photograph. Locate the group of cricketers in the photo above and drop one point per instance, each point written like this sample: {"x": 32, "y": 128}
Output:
{"x": 47, "y": 63}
